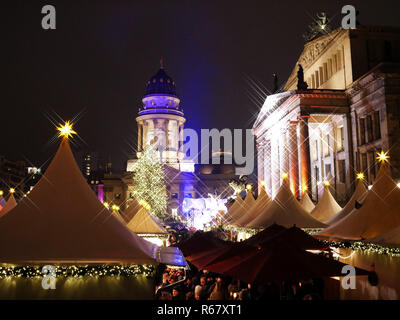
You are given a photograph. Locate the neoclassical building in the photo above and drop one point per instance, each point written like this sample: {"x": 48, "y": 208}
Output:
{"x": 340, "y": 105}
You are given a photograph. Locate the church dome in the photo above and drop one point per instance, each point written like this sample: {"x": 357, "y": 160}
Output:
{"x": 161, "y": 83}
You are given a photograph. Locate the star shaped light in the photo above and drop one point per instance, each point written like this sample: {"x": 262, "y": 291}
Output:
{"x": 360, "y": 176}
{"x": 66, "y": 130}
{"x": 382, "y": 156}
{"x": 285, "y": 175}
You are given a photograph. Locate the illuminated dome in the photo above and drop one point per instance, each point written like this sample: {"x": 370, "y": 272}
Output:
{"x": 161, "y": 83}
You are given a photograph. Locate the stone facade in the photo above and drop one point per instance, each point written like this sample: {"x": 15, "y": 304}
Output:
{"x": 334, "y": 129}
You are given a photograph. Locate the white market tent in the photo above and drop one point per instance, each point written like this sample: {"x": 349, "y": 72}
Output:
{"x": 306, "y": 202}
{"x": 233, "y": 208}
{"x": 286, "y": 211}
{"x": 10, "y": 204}
{"x": 358, "y": 195}
{"x": 132, "y": 209}
{"x": 326, "y": 208}
{"x": 237, "y": 212}
{"x": 388, "y": 239}
{"x": 379, "y": 213}
{"x": 61, "y": 220}
{"x": 262, "y": 201}
{"x": 143, "y": 222}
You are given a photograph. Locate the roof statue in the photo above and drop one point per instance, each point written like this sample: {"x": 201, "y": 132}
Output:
{"x": 320, "y": 25}
{"x": 301, "y": 84}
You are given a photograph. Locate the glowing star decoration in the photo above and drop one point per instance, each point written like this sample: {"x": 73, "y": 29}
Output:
{"x": 382, "y": 156}
{"x": 1, "y": 193}
{"x": 360, "y": 176}
{"x": 263, "y": 183}
{"x": 106, "y": 205}
{"x": 12, "y": 190}
{"x": 66, "y": 130}
{"x": 326, "y": 183}
{"x": 305, "y": 188}
{"x": 115, "y": 207}
{"x": 285, "y": 175}
{"x": 248, "y": 187}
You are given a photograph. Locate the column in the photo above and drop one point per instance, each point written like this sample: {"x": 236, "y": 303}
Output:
{"x": 275, "y": 174}
{"x": 260, "y": 162}
{"x": 140, "y": 136}
{"x": 305, "y": 163}
{"x": 145, "y": 133}
{"x": 283, "y": 150}
{"x": 293, "y": 158}
{"x": 267, "y": 167}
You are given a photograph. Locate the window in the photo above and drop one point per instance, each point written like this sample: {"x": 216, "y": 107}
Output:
{"x": 340, "y": 139}
{"x": 326, "y": 71}
{"x": 330, "y": 68}
{"x": 117, "y": 196}
{"x": 321, "y": 76}
{"x": 312, "y": 81}
{"x": 369, "y": 128}
{"x": 377, "y": 126}
{"x": 362, "y": 131}
{"x": 315, "y": 153}
{"x": 327, "y": 145}
{"x": 339, "y": 60}
{"x": 342, "y": 170}
{"x": 174, "y": 196}
{"x": 316, "y": 79}
{"x": 335, "y": 64}
{"x": 327, "y": 170}
{"x": 371, "y": 162}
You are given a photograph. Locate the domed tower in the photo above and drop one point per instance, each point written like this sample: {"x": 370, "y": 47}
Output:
{"x": 161, "y": 119}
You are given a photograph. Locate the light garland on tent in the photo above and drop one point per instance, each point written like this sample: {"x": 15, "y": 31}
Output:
{"x": 239, "y": 229}
{"x": 365, "y": 247}
{"x": 79, "y": 271}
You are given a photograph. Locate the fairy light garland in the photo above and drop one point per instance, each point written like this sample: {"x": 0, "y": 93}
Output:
{"x": 79, "y": 271}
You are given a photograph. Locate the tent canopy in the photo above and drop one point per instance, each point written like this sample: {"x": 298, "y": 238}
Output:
{"x": 306, "y": 202}
{"x": 286, "y": 211}
{"x": 326, "y": 208}
{"x": 241, "y": 209}
{"x": 143, "y": 222}
{"x": 358, "y": 195}
{"x": 132, "y": 209}
{"x": 261, "y": 203}
{"x": 379, "y": 213}
{"x": 61, "y": 220}
{"x": 10, "y": 204}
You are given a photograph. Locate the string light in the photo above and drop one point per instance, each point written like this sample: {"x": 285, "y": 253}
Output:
{"x": 382, "y": 156}
{"x": 66, "y": 130}
{"x": 79, "y": 271}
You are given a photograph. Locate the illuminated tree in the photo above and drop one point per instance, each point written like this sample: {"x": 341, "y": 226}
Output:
{"x": 149, "y": 183}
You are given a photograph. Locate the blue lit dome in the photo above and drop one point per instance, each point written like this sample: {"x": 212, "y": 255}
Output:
{"x": 161, "y": 83}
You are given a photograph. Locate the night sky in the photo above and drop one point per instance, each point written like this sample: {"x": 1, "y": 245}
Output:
{"x": 98, "y": 60}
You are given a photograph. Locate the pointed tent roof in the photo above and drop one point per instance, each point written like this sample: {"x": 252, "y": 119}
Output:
{"x": 358, "y": 195}
{"x": 132, "y": 209}
{"x": 243, "y": 209}
{"x": 286, "y": 211}
{"x": 327, "y": 207}
{"x": 143, "y": 222}
{"x": 306, "y": 202}
{"x": 379, "y": 213}
{"x": 61, "y": 220}
{"x": 10, "y": 204}
{"x": 238, "y": 203}
{"x": 262, "y": 201}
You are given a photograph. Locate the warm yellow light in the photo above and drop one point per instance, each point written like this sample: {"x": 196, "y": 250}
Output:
{"x": 66, "y": 130}
{"x": 115, "y": 207}
{"x": 382, "y": 156}
{"x": 12, "y": 190}
{"x": 263, "y": 183}
{"x": 326, "y": 183}
{"x": 285, "y": 175}
{"x": 305, "y": 188}
{"x": 106, "y": 204}
{"x": 360, "y": 176}
{"x": 1, "y": 193}
{"x": 248, "y": 187}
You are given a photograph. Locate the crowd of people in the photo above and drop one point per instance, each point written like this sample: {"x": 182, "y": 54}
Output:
{"x": 178, "y": 284}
